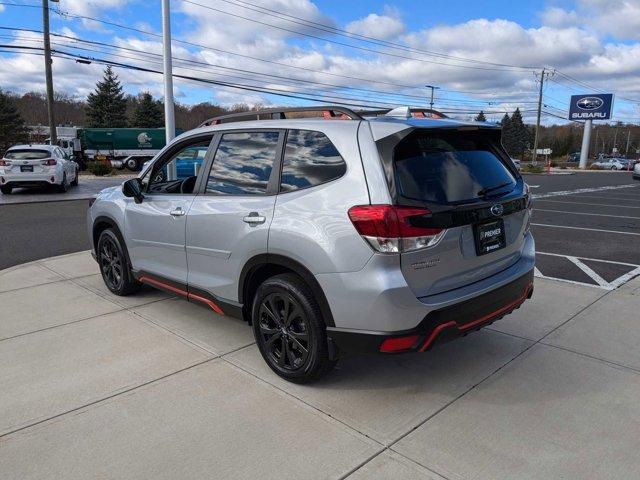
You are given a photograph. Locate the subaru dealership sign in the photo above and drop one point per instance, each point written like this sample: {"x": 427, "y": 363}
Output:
{"x": 591, "y": 107}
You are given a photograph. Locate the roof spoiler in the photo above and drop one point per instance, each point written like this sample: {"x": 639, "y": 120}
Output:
{"x": 404, "y": 112}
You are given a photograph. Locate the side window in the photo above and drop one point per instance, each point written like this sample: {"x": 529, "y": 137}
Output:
{"x": 178, "y": 171}
{"x": 309, "y": 159}
{"x": 243, "y": 163}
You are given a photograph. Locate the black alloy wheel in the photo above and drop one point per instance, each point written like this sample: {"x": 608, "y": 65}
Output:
{"x": 111, "y": 264}
{"x": 289, "y": 329}
{"x": 284, "y": 330}
{"x": 114, "y": 265}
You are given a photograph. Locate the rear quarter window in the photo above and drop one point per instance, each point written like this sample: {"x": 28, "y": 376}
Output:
{"x": 449, "y": 167}
{"x": 310, "y": 159}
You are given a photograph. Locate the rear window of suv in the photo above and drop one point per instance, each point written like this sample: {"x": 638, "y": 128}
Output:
{"x": 27, "y": 154}
{"x": 449, "y": 167}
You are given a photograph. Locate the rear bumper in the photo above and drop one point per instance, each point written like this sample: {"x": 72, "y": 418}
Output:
{"x": 29, "y": 179}
{"x": 444, "y": 324}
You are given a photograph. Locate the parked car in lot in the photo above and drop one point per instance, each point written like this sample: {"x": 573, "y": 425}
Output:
{"x": 347, "y": 232}
{"x": 516, "y": 162}
{"x": 37, "y": 166}
{"x": 636, "y": 171}
{"x": 573, "y": 157}
{"x": 614, "y": 164}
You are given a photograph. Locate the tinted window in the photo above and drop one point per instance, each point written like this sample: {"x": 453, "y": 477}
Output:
{"x": 27, "y": 154}
{"x": 449, "y": 167}
{"x": 177, "y": 172}
{"x": 243, "y": 163}
{"x": 309, "y": 159}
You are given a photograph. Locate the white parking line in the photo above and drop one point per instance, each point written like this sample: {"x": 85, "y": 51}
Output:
{"x": 582, "y": 203}
{"x": 605, "y": 197}
{"x": 587, "y": 229}
{"x": 589, "y": 259}
{"x": 583, "y": 213}
{"x": 590, "y": 273}
{"x": 583, "y": 190}
{"x": 601, "y": 282}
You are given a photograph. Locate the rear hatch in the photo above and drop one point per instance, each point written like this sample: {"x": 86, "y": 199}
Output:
{"x": 26, "y": 161}
{"x": 462, "y": 181}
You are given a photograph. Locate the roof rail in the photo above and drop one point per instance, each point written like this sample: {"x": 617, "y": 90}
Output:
{"x": 328, "y": 112}
{"x": 405, "y": 112}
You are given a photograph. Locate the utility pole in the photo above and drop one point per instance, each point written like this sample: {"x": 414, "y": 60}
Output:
{"x": 432, "y": 87}
{"x": 535, "y": 141}
{"x": 615, "y": 138}
{"x": 47, "y": 71}
{"x": 169, "y": 118}
{"x": 626, "y": 151}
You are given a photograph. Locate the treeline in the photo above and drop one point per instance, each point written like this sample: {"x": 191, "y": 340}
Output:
{"x": 518, "y": 137}
{"x": 109, "y": 106}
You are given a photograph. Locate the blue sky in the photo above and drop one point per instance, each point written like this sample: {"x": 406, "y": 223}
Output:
{"x": 472, "y": 50}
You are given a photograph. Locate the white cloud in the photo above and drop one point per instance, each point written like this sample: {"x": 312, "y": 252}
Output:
{"x": 91, "y": 8}
{"x": 618, "y": 18}
{"x": 387, "y": 26}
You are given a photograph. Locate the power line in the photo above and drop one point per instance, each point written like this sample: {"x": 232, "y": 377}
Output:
{"x": 370, "y": 50}
{"x": 403, "y": 97}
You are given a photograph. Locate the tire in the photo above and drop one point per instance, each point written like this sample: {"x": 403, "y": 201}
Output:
{"x": 295, "y": 348}
{"x": 614, "y": 168}
{"x": 114, "y": 267}
{"x": 75, "y": 180}
{"x": 64, "y": 186}
{"x": 133, "y": 164}
{"x": 6, "y": 189}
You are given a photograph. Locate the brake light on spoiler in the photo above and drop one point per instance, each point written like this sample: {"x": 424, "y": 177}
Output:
{"x": 394, "y": 229}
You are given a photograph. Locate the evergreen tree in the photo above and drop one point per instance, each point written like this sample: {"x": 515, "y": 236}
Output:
{"x": 106, "y": 107}
{"x": 147, "y": 112}
{"x": 480, "y": 117}
{"x": 520, "y": 134}
{"x": 507, "y": 133}
{"x": 12, "y": 127}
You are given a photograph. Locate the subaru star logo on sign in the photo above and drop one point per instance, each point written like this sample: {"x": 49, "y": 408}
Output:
{"x": 591, "y": 107}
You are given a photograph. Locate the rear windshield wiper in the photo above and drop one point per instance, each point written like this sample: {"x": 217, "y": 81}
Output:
{"x": 484, "y": 191}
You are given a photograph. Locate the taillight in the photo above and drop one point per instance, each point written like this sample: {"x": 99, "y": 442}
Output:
{"x": 49, "y": 162}
{"x": 393, "y": 229}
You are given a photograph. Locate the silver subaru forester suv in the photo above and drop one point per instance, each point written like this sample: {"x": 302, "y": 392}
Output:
{"x": 327, "y": 230}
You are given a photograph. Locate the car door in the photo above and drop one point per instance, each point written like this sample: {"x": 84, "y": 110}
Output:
{"x": 155, "y": 228}
{"x": 229, "y": 222}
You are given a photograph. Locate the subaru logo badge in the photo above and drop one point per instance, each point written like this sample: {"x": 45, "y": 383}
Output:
{"x": 589, "y": 103}
{"x": 497, "y": 210}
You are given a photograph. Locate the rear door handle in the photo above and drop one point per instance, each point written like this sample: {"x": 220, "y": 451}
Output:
{"x": 178, "y": 212}
{"x": 254, "y": 218}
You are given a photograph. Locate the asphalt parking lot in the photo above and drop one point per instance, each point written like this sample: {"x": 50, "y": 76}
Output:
{"x": 88, "y": 187}
{"x": 587, "y": 227}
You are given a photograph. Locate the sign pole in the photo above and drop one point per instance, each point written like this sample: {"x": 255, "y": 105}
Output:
{"x": 586, "y": 138}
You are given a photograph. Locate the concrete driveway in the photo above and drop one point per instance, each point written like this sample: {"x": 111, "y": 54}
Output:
{"x": 148, "y": 386}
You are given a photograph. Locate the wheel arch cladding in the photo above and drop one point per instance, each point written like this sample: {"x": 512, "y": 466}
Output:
{"x": 100, "y": 224}
{"x": 264, "y": 266}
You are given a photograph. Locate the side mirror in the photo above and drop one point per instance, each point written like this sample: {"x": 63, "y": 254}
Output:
{"x": 133, "y": 189}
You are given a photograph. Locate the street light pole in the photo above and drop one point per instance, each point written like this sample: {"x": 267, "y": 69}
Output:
{"x": 433, "y": 88}
{"x": 47, "y": 72}
{"x": 169, "y": 118}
